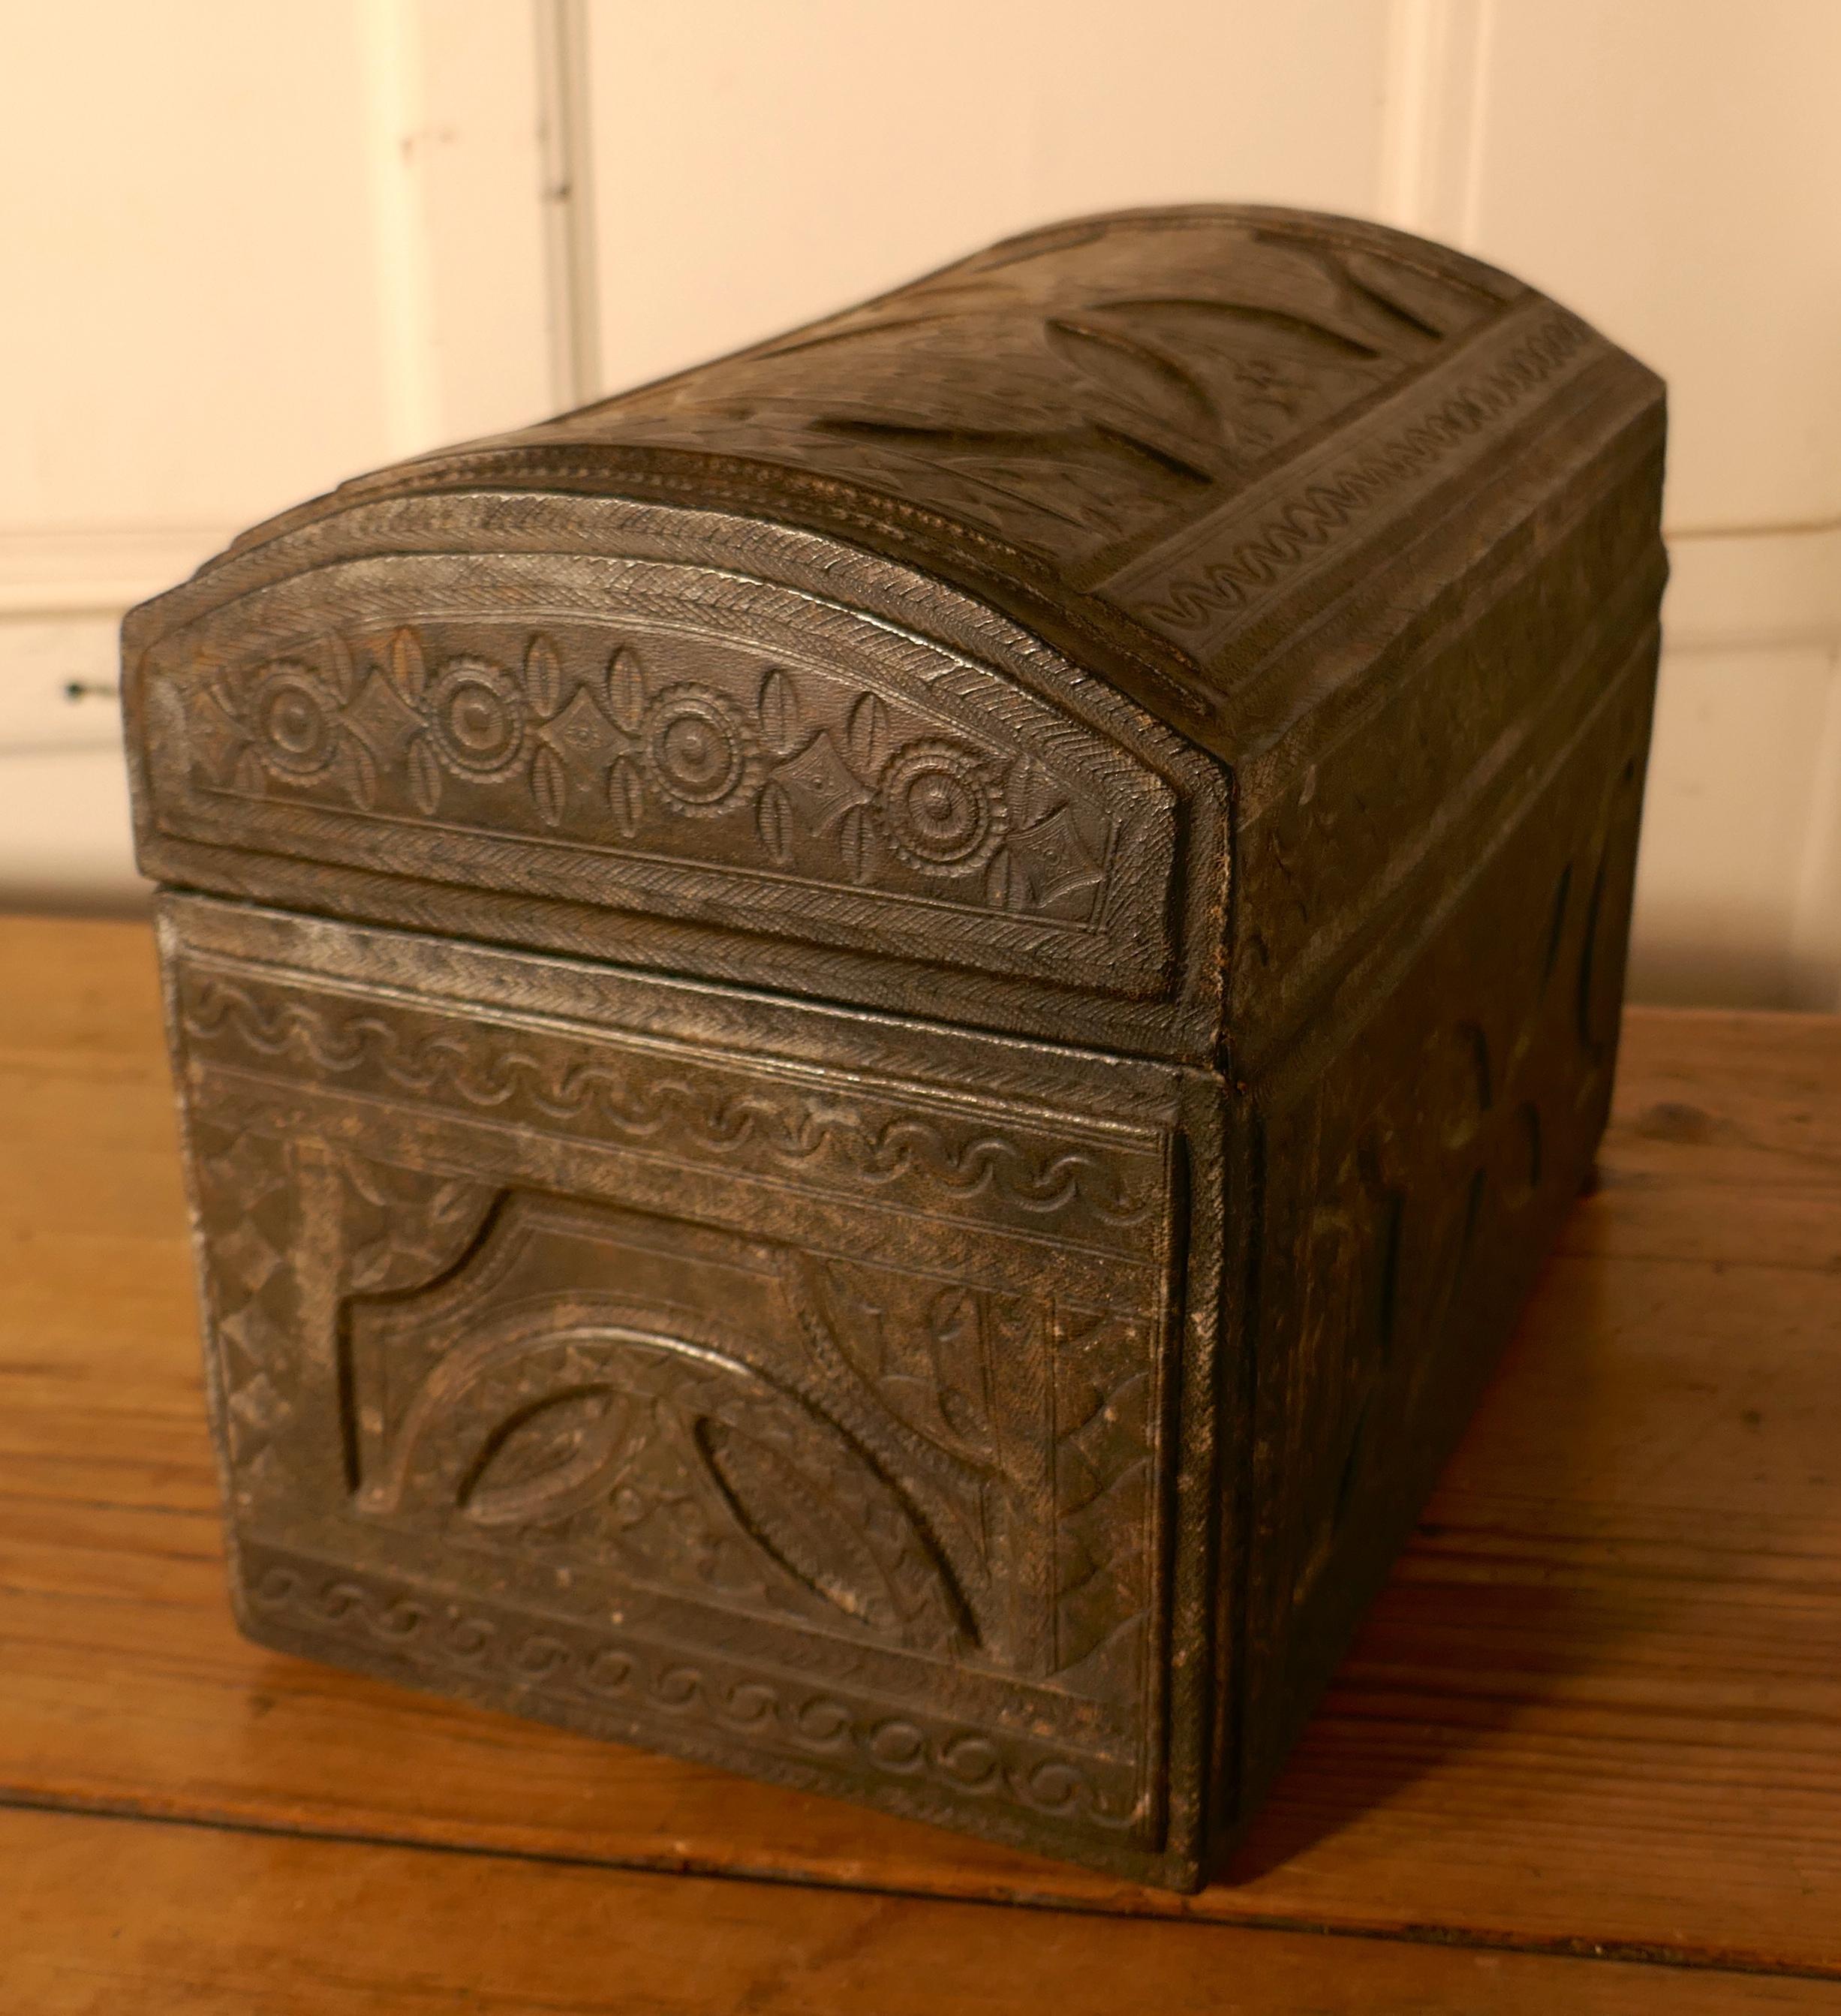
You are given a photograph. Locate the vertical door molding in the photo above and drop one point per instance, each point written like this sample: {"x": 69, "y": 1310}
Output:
{"x": 565, "y": 115}
{"x": 1432, "y": 128}
{"x": 461, "y": 195}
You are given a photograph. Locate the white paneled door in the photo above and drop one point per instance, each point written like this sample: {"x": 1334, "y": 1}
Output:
{"x": 257, "y": 248}
{"x": 250, "y": 247}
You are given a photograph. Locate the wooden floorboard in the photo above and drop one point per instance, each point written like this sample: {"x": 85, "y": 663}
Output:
{"x": 1598, "y": 1709}
{"x": 163, "y": 1920}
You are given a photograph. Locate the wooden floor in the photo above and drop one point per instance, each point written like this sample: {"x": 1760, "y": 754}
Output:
{"x": 1586, "y": 1756}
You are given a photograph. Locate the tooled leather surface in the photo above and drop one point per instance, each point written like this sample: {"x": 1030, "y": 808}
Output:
{"x": 1073, "y": 394}
{"x": 1038, "y": 421}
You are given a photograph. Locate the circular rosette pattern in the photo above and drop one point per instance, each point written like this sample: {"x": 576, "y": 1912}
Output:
{"x": 296, "y": 716}
{"x": 477, "y": 718}
{"x": 940, "y": 807}
{"x": 700, "y": 753}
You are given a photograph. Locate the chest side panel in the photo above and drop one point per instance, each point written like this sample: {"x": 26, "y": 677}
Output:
{"x": 1422, "y": 1151}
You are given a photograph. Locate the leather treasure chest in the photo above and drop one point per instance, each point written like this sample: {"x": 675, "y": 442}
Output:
{"x": 874, "y": 1042}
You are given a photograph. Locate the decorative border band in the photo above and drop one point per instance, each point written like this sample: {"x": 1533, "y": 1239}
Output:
{"x": 631, "y": 1678}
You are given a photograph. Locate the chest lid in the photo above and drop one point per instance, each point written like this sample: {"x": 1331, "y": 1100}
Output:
{"x": 903, "y": 659}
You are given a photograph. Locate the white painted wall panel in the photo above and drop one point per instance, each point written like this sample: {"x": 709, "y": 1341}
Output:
{"x": 185, "y": 199}
{"x": 1742, "y": 744}
{"x": 66, "y": 841}
{"x": 1672, "y": 169}
{"x": 756, "y": 166}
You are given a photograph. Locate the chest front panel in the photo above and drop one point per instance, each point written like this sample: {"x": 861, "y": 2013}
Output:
{"x": 806, "y": 1417}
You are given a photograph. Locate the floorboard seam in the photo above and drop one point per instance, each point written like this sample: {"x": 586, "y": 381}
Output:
{"x": 1624, "y": 1952}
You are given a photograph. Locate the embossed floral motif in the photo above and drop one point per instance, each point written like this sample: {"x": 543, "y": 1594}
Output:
{"x": 700, "y": 755}
{"x": 296, "y": 714}
{"x": 853, "y": 794}
{"x": 939, "y": 808}
{"x": 476, "y": 719}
